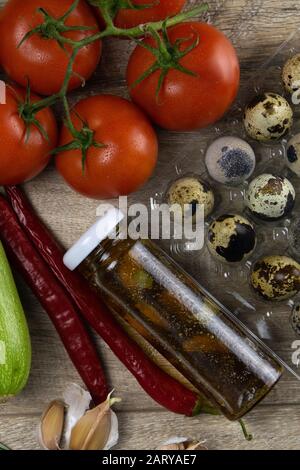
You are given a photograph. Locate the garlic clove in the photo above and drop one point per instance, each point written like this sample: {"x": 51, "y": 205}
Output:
{"x": 196, "y": 446}
{"x": 172, "y": 447}
{"x": 96, "y": 429}
{"x": 174, "y": 443}
{"x": 51, "y": 425}
{"x": 92, "y": 431}
{"x": 181, "y": 443}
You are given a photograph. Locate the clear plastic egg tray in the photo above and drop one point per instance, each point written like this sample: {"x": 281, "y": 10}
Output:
{"x": 183, "y": 154}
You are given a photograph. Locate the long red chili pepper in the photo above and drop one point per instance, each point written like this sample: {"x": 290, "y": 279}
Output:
{"x": 163, "y": 388}
{"x": 55, "y": 301}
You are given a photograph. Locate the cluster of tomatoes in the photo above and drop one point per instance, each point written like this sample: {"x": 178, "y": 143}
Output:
{"x": 183, "y": 79}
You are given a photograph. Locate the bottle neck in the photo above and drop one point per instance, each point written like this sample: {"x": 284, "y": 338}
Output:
{"x": 107, "y": 226}
{"x": 107, "y": 252}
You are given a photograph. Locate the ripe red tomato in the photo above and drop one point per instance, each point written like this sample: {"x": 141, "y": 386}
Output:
{"x": 187, "y": 102}
{"x": 39, "y": 59}
{"x": 128, "y": 158}
{"x": 22, "y": 157}
{"x": 161, "y": 9}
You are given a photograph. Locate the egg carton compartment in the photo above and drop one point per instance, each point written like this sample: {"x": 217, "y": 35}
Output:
{"x": 276, "y": 323}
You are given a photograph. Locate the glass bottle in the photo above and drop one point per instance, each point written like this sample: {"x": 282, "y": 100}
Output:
{"x": 200, "y": 337}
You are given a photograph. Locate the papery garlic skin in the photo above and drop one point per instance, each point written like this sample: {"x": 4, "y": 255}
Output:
{"x": 113, "y": 437}
{"x": 173, "y": 443}
{"x": 78, "y": 401}
{"x": 175, "y": 440}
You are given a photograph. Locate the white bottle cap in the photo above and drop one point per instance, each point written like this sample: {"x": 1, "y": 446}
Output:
{"x": 91, "y": 239}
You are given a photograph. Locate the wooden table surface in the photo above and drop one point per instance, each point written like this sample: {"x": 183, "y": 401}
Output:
{"x": 256, "y": 27}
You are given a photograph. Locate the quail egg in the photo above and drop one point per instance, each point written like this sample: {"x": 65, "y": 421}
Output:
{"x": 291, "y": 74}
{"x": 231, "y": 238}
{"x": 293, "y": 154}
{"x": 276, "y": 277}
{"x": 295, "y": 318}
{"x": 268, "y": 117}
{"x": 192, "y": 191}
{"x": 270, "y": 197}
{"x": 230, "y": 160}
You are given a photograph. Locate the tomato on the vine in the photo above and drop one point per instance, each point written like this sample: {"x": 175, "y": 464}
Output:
{"x": 154, "y": 10}
{"x": 197, "y": 83}
{"x": 24, "y": 149}
{"x": 40, "y": 59}
{"x": 124, "y": 154}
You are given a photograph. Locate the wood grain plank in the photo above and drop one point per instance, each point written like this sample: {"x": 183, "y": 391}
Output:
{"x": 256, "y": 27}
{"x": 272, "y": 429}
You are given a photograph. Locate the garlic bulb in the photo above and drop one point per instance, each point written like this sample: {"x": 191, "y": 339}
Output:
{"x": 79, "y": 427}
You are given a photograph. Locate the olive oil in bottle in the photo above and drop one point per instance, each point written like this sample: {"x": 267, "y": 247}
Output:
{"x": 200, "y": 337}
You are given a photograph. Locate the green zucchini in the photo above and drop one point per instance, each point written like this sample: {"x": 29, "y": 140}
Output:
{"x": 15, "y": 347}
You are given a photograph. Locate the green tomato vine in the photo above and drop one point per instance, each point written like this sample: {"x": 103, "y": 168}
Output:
{"x": 167, "y": 57}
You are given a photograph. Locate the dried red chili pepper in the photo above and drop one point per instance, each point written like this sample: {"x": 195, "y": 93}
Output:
{"x": 163, "y": 388}
{"x": 55, "y": 301}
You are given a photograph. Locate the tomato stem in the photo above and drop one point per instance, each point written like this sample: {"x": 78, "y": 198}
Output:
{"x": 83, "y": 140}
{"x": 54, "y": 28}
{"x": 68, "y": 119}
{"x": 167, "y": 56}
{"x": 69, "y": 11}
{"x": 29, "y": 117}
{"x": 51, "y": 100}
{"x": 110, "y": 8}
{"x": 143, "y": 29}
{"x": 44, "y": 103}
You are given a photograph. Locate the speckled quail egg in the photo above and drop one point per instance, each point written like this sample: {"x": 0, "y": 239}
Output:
{"x": 270, "y": 197}
{"x": 193, "y": 191}
{"x": 276, "y": 277}
{"x": 291, "y": 74}
{"x": 293, "y": 154}
{"x": 268, "y": 117}
{"x": 231, "y": 238}
{"x": 295, "y": 318}
{"x": 230, "y": 160}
